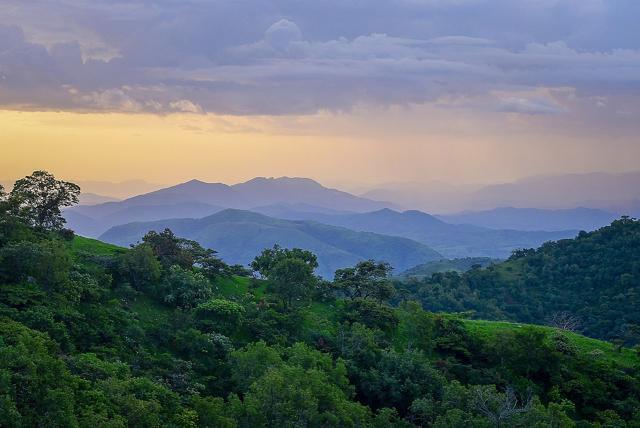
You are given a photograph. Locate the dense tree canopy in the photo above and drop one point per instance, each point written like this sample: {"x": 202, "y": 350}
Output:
{"x": 593, "y": 279}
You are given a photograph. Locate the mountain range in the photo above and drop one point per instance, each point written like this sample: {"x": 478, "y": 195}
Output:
{"x": 451, "y": 240}
{"x": 196, "y": 199}
{"x": 618, "y": 193}
{"x": 534, "y": 219}
{"x": 240, "y": 235}
{"x": 304, "y": 202}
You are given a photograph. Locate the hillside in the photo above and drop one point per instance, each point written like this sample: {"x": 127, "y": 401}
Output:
{"x": 594, "y": 278}
{"x": 446, "y": 265}
{"x": 450, "y": 240}
{"x": 195, "y": 199}
{"x": 83, "y": 345}
{"x": 239, "y": 236}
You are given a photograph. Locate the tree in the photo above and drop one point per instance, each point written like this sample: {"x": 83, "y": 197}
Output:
{"x": 140, "y": 266}
{"x": 371, "y": 313}
{"x": 499, "y": 408}
{"x": 367, "y": 279}
{"x": 305, "y": 388}
{"x": 564, "y": 320}
{"x": 220, "y": 314}
{"x": 292, "y": 279}
{"x": 173, "y": 250}
{"x": 39, "y": 198}
{"x": 184, "y": 288}
{"x": 269, "y": 258}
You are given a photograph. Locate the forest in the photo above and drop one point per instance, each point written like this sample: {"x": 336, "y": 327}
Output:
{"x": 591, "y": 282}
{"x": 166, "y": 334}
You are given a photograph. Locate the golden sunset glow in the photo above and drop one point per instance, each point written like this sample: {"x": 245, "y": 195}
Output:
{"x": 363, "y": 146}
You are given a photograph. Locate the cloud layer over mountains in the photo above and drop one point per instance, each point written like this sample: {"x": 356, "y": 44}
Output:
{"x": 290, "y": 57}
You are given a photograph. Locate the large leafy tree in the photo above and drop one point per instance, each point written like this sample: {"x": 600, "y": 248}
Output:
{"x": 367, "y": 279}
{"x": 292, "y": 279}
{"x": 39, "y": 198}
{"x": 184, "y": 288}
{"x": 266, "y": 262}
{"x": 172, "y": 250}
{"x": 289, "y": 272}
{"x": 140, "y": 267}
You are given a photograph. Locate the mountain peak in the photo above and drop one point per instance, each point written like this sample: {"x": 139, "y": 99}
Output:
{"x": 280, "y": 180}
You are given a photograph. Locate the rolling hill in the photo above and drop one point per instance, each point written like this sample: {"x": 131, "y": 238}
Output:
{"x": 240, "y": 235}
{"x": 93, "y": 349}
{"x": 446, "y": 265}
{"x": 594, "y": 277}
{"x": 452, "y": 241}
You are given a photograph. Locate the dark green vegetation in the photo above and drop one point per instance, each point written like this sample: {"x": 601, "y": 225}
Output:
{"x": 240, "y": 235}
{"x": 590, "y": 283}
{"x": 166, "y": 335}
{"x": 447, "y": 265}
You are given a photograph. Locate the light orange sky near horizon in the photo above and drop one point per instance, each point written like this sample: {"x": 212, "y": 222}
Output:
{"x": 364, "y": 146}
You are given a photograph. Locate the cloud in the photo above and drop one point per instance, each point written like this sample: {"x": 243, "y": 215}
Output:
{"x": 529, "y": 106}
{"x": 283, "y": 57}
{"x": 281, "y": 34}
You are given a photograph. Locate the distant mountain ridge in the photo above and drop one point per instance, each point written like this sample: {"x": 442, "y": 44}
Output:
{"x": 451, "y": 240}
{"x": 534, "y": 219}
{"x": 618, "y": 193}
{"x": 240, "y": 235}
{"x": 195, "y": 199}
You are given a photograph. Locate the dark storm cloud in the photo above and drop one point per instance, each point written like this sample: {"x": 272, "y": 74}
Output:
{"x": 290, "y": 57}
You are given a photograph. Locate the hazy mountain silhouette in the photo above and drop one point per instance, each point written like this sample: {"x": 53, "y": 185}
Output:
{"x": 451, "y": 240}
{"x": 95, "y": 199}
{"x": 561, "y": 191}
{"x": 615, "y": 192}
{"x": 534, "y": 218}
{"x": 195, "y": 199}
{"x": 240, "y": 235}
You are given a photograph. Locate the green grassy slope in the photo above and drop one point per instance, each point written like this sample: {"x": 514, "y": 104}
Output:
{"x": 322, "y": 318}
{"x": 110, "y": 344}
{"x": 80, "y": 244}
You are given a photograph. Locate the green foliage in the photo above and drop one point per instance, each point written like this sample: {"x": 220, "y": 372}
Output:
{"x": 174, "y": 251}
{"x": 39, "y": 197}
{"x": 447, "y": 265}
{"x": 220, "y": 314}
{"x": 140, "y": 267}
{"x": 289, "y": 273}
{"x": 370, "y": 313}
{"x": 367, "y": 279}
{"x": 295, "y": 387}
{"x": 266, "y": 261}
{"x": 45, "y": 262}
{"x": 184, "y": 289}
{"x": 292, "y": 279}
{"x": 594, "y": 278}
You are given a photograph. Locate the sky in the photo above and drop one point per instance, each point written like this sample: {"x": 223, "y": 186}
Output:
{"x": 347, "y": 92}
